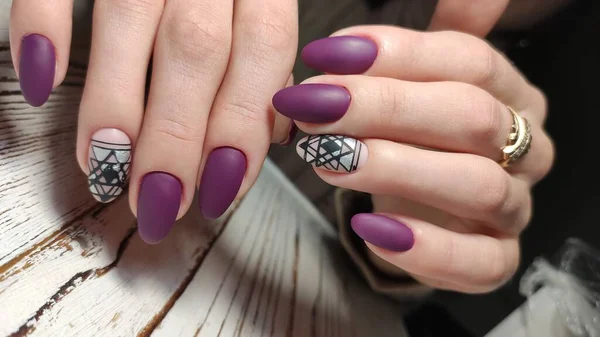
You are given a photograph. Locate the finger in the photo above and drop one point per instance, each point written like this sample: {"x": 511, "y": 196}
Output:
{"x": 443, "y": 115}
{"x": 442, "y": 284}
{"x": 241, "y": 123}
{"x": 476, "y": 17}
{"x": 40, "y": 37}
{"x": 426, "y": 57}
{"x": 473, "y": 262}
{"x": 409, "y": 208}
{"x": 112, "y": 105}
{"x": 448, "y": 116}
{"x": 189, "y": 61}
{"x": 284, "y": 129}
{"x": 465, "y": 185}
{"x": 536, "y": 163}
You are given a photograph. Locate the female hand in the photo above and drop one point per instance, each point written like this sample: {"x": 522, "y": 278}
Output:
{"x": 215, "y": 67}
{"x": 424, "y": 124}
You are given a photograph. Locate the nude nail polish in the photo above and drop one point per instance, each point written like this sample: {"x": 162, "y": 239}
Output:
{"x": 383, "y": 232}
{"x": 109, "y": 161}
{"x": 37, "y": 67}
{"x": 313, "y": 103}
{"x": 158, "y": 204}
{"x": 333, "y": 152}
{"x": 221, "y": 181}
{"x": 341, "y": 54}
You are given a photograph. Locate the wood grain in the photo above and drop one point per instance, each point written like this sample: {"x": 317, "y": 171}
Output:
{"x": 272, "y": 266}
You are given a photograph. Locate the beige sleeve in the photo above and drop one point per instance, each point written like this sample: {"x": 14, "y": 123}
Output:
{"x": 381, "y": 276}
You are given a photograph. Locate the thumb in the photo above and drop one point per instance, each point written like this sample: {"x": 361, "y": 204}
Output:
{"x": 476, "y": 17}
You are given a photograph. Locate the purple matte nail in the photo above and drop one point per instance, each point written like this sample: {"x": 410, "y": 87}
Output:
{"x": 383, "y": 232}
{"x": 158, "y": 204}
{"x": 340, "y": 54}
{"x": 221, "y": 180}
{"x": 37, "y": 65}
{"x": 313, "y": 103}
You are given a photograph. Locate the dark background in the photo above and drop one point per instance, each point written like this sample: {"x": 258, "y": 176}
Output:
{"x": 562, "y": 57}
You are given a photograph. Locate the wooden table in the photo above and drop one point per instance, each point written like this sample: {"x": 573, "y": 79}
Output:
{"x": 72, "y": 267}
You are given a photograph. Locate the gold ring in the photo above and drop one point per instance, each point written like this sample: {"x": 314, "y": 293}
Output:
{"x": 519, "y": 140}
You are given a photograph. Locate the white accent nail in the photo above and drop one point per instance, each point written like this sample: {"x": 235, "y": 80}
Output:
{"x": 333, "y": 152}
{"x": 109, "y": 161}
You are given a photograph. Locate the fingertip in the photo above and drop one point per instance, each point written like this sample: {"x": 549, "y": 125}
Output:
{"x": 341, "y": 54}
{"x": 159, "y": 203}
{"x": 383, "y": 232}
{"x": 37, "y": 68}
{"x": 40, "y": 35}
{"x": 221, "y": 181}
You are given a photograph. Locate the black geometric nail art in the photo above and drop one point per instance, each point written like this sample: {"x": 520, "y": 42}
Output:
{"x": 109, "y": 167}
{"x": 336, "y": 153}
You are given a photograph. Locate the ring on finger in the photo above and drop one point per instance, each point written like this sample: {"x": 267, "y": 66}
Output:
{"x": 519, "y": 140}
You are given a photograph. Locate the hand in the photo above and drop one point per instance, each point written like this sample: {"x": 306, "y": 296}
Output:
{"x": 424, "y": 125}
{"x": 215, "y": 67}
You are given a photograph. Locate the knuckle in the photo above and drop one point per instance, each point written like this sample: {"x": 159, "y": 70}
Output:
{"x": 517, "y": 213}
{"x": 392, "y": 101}
{"x": 498, "y": 268}
{"x": 271, "y": 30}
{"x": 139, "y": 6}
{"x": 541, "y": 100}
{"x": 134, "y": 8}
{"x": 526, "y": 213}
{"x": 198, "y": 37}
{"x": 494, "y": 189}
{"x": 451, "y": 266}
{"x": 245, "y": 111}
{"x": 485, "y": 122}
{"x": 486, "y": 62}
{"x": 177, "y": 132}
{"x": 115, "y": 85}
{"x": 546, "y": 157}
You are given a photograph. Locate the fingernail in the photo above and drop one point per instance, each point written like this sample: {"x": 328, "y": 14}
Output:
{"x": 37, "y": 65}
{"x": 291, "y": 135}
{"x": 332, "y": 152}
{"x": 109, "y": 161}
{"x": 383, "y": 232}
{"x": 221, "y": 180}
{"x": 313, "y": 103}
{"x": 340, "y": 54}
{"x": 158, "y": 204}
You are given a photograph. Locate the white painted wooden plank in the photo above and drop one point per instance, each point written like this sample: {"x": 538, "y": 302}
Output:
{"x": 41, "y": 185}
{"x": 308, "y": 295}
{"x": 89, "y": 245}
{"x": 132, "y": 295}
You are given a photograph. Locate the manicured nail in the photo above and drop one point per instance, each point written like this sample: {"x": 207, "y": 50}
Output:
{"x": 158, "y": 204}
{"x": 291, "y": 135}
{"x": 37, "y": 66}
{"x": 109, "y": 162}
{"x": 313, "y": 103}
{"x": 221, "y": 180}
{"x": 340, "y": 54}
{"x": 333, "y": 152}
{"x": 383, "y": 232}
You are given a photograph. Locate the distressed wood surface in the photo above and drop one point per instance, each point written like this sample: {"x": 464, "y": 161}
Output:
{"x": 72, "y": 267}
